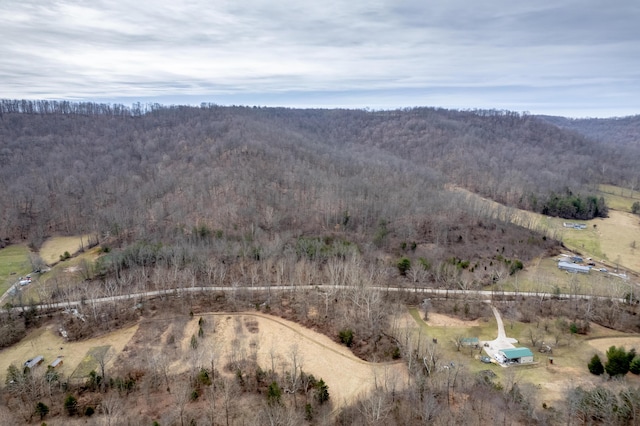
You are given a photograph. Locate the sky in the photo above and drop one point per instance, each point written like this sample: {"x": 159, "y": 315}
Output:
{"x": 576, "y": 58}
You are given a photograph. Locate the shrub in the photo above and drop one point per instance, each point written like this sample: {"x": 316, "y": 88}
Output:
{"x": 42, "y": 410}
{"x": 404, "y": 265}
{"x": 595, "y": 365}
{"x": 634, "y": 367}
{"x": 346, "y": 337}
{"x": 71, "y": 405}
{"x": 274, "y": 393}
{"x": 322, "y": 392}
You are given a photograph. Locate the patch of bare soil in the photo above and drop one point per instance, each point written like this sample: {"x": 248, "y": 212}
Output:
{"x": 273, "y": 341}
{"x": 440, "y": 320}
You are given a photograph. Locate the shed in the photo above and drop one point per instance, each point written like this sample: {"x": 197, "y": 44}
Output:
{"x": 30, "y": 363}
{"x": 518, "y": 355}
{"x": 56, "y": 363}
{"x": 572, "y": 267}
{"x": 471, "y": 341}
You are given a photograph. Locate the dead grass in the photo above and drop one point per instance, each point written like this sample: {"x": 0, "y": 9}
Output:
{"x": 602, "y": 344}
{"x": 55, "y": 247}
{"x": 47, "y": 342}
{"x": 90, "y": 362}
{"x": 618, "y": 198}
{"x": 611, "y": 240}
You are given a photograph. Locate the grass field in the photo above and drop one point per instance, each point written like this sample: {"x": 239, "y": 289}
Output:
{"x": 90, "y": 362}
{"x": 571, "y": 352}
{"x": 619, "y": 198}
{"x": 612, "y": 240}
{"x": 55, "y": 247}
{"x": 47, "y": 342}
{"x": 14, "y": 262}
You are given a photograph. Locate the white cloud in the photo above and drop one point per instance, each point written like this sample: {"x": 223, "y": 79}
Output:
{"x": 268, "y": 49}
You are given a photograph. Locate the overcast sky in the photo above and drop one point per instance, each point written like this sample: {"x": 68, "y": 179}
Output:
{"x": 575, "y": 58}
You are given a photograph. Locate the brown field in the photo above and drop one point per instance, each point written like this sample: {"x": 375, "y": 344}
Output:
{"x": 346, "y": 375}
{"x": 54, "y": 247}
{"x": 317, "y": 353}
{"x": 602, "y": 344}
{"x": 611, "y": 239}
{"x": 46, "y": 341}
{"x": 618, "y": 233}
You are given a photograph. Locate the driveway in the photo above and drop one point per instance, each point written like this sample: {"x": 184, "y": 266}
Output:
{"x": 492, "y": 347}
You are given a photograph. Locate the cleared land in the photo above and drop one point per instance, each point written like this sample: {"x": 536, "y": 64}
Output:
{"x": 14, "y": 262}
{"x": 55, "y": 247}
{"x": 619, "y": 198}
{"x": 612, "y": 240}
{"x": 571, "y": 352}
{"x": 235, "y": 335}
{"x": 46, "y": 341}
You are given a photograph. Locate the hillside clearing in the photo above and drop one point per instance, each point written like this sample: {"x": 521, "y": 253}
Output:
{"x": 55, "y": 247}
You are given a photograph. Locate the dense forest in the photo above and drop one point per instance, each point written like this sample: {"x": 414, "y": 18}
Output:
{"x": 239, "y": 197}
{"x": 621, "y": 131}
{"x": 149, "y": 170}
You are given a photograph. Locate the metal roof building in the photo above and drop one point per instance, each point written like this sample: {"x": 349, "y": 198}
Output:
{"x": 518, "y": 355}
{"x": 33, "y": 362}
{"x": 572, "y": 267}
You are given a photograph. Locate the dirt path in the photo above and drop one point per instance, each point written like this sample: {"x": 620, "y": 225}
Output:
{"x": 276, "y": 341}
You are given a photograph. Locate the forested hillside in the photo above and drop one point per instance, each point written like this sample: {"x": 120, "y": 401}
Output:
{"x": 343, "y": 202}
{"x": 620, "y": 131}
{"x": 148, "y": 171}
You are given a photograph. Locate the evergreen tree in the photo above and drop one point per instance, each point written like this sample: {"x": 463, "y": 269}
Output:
{"x": 617, "y": 361}
{"x": 595, "y": 365}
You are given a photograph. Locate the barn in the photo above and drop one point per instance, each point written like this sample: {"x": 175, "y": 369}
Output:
{"x": 517, "y": 355}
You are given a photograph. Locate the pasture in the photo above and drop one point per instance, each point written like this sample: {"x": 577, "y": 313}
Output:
{"x": 14, "y": 262}
{"x": 618, "y": 198}
{"x": 55, "y": 247}
{"x": 615, "y": 240}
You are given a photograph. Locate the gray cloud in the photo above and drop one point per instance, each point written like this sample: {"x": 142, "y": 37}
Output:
{"x": 576, "y": 57}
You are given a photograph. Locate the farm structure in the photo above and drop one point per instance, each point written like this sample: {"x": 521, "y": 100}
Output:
{"x": 56, "y": 363}
{"x": 572, "y": 267}
{"x": 517, "y": 355}
{"x": 34, "y": 362}
{"x": 473, "y": 342}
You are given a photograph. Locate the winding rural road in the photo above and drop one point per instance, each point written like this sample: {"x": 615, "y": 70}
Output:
{"x": 427, "y": 292}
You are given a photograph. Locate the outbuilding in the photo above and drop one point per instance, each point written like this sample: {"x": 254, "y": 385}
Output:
{"x": 473, "y": 342}
{"x": 56, "y": 363}
{"x": 572, "y": 267}
{"x": 30, "y": 363}
{"x": 517, "y": 355}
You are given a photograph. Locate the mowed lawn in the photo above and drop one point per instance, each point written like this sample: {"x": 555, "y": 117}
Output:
{"x": 14, "y": 262}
